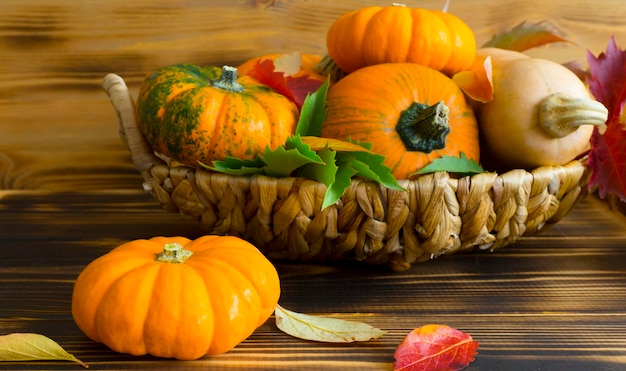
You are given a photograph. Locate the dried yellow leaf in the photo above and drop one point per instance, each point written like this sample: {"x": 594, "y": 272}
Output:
{"x": 324, "y": 329}
{"x": 33, "y": 347}
{"x": 318, "y": 143}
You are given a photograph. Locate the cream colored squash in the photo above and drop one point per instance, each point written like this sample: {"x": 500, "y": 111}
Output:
{"x": 541, "y": 113}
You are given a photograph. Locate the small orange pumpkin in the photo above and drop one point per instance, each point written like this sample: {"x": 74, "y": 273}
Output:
{"x": 398, "y": 33}
{"x": 411, "y": 114}
{"x": 201, "y": 114}
{"x": 176, "y": 298}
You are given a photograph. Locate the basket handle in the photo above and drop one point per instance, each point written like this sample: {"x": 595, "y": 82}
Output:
{"x": 141, "y": 153}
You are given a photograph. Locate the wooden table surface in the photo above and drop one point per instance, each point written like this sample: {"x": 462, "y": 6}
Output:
{"x": 555, "y": 301}
{"x": 69, "y": 193}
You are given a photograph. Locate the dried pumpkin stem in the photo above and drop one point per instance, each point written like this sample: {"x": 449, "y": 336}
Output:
{"x": 173, "y": 253}
{"x": 561, "y": 114}
{"x": 424, "y": 128}
{"x": 228, "y": 80}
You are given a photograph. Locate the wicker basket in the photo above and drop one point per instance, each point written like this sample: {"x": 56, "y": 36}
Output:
{"x": 439, "y": 214}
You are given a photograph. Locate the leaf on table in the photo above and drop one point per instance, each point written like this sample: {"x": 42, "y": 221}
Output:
{"x": 526, "y": 36}
{"x": 294, "y": 88}
{"x": 324, "y": 329}
{"x": 607, "y": 157}
{"x": 313, "y": 112}
{"x": 458, "y": 165}
{"x": 435, "y": 348}
{"x": 33, "y": 347}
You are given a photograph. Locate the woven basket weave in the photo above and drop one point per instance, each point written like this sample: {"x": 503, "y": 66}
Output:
{"x": 438, "y": 214}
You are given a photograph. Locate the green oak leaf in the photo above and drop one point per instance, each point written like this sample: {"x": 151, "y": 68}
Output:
{"x": 235, "y": 166}
{"x": 343, "y": 179}
{"x": 371, "y": 166}
{"x": 295, "y": 142}
{"x": 324, "y": 172}
{"x": 281, "y": 162}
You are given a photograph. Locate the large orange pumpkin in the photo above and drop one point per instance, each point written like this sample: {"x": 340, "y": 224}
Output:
{"x": 176, "y": 298}
{"x": 398, "y": 33}
{"x": 411, "y": 114}
{"x": 201, "y": 114}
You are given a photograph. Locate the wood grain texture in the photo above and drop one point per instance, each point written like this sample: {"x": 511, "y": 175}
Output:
{"x": 58, "y": 130}
{"x": 69, "y": 193}
{"x": 556, "y": 301}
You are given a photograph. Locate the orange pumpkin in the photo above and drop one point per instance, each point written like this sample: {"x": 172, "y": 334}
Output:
{"x": 176, "y": 298}
{"x": 397, "y": 33}
{"x": 411, "y": 114}
{"x": 201, "y": 114}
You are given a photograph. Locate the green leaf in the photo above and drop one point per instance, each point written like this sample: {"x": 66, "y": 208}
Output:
{"x": 459, "y": 165}
{"x": 324, "y": 172}
{"x": 296, "y": 142}
{"x": 33, "y": 347}
{"x": 235, "y": 166}
{"x": 282, "y": 162}
{"x": 313, "y": 112}
{"x": 343, "y": 179}
{"x": 370, "y": 165}
{"x": 324, "y": 329}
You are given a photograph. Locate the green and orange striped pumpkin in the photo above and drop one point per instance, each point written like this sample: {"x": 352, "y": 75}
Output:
{"x": 200, "y": 114}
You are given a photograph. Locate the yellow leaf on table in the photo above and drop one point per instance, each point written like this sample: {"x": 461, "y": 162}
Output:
{"x": 33, "y": 347}
{"x": 324, "y": 329}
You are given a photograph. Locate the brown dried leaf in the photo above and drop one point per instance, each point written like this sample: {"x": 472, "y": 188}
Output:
{"x": 526, "y": 36}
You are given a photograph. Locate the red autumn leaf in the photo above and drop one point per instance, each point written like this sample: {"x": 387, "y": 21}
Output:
{"x": 526, "y": 36}
{"x": 435, "y": 348}
{"x": 294, "y": 88}
{"x": 607, "y": 157}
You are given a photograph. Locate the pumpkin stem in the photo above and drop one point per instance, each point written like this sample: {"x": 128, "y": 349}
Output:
{"x": 561, "y": 114}
{"x": 424, "y": 128}
{"x": 327, "y": 67}
{"x": 173, "y": 253}
{"x": 228, "y": 80}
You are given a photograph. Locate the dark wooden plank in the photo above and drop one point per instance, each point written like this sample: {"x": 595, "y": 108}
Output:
{"x": 554, "y": 301}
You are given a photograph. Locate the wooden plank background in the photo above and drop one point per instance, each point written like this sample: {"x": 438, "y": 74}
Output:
{"x": 57, "y": 128}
